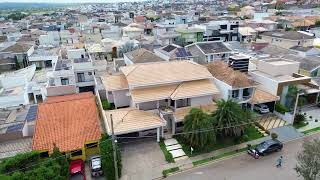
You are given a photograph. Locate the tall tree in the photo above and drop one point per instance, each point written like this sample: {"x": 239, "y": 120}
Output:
{"x": 293, "y": 91}
{"x": 199, "y": 126}
{"x": 230, "y": 117}
{"x": 308, "y": 165}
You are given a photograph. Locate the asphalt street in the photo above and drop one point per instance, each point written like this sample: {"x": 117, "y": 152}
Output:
{"x": 244, "y": 167}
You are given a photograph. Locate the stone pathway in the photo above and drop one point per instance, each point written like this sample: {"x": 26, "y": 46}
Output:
{"x": 175, "y": 149}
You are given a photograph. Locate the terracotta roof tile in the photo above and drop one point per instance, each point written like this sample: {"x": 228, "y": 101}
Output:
{"x": 68, "y": 121}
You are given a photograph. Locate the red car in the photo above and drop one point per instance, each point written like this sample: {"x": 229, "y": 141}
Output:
{"x": 77, "y": 170}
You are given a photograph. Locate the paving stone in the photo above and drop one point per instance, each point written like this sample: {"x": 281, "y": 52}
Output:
{"x": 174, "y": 147}
{"x": 177, "y": 153}
{"x": 170, "y": 142}
{"x": 181, "y": 158}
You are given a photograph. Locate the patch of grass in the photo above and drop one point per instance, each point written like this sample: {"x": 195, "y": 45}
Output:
{"x": 167, "y": 154}
{"x": 251, "y": 133}
{"x": 311, "y": 130}
{"x": 299, "y": 124}
{"x": 213, "y": 158}
{"x": 168, "y": 171}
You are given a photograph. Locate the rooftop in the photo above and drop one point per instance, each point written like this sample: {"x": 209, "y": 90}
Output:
{"x": 292, "y": 35}
{"x": 142, "y": 55}
{"x": 115, "y": 82}
{"x": 213, "y": 47}
{"x": 164, "y": 73}
{"x": 18, "y": 48}
{"x": 68, "y": 121}
{"x": 223, "y": 72}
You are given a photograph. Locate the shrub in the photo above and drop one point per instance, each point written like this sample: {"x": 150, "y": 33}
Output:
{"x": 107, "y": 162}
{"x": 274, "y": 135}
{"x": 167, "y": 154}
{"x": 281, "y": 108}
{"x": 299, "y": 118}
{"x": 106, "y": 105}
{"x": 310, "y": 117}
{"x": 316, "y": 120}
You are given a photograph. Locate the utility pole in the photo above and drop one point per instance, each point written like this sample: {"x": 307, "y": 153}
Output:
{"x": 114, "y": 150}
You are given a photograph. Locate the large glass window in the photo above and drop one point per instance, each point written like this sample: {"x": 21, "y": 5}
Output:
{"x": 64, "y": 81}
{"x": 235, "y": 93}
{"x": 81, "y": 77}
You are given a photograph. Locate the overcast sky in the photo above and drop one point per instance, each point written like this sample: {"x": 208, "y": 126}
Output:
{"x": 67, "y": 1}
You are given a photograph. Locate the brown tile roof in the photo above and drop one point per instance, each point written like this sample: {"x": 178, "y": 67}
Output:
{"x": 223, "y": 72}
{"x": 180, "y": 113}
{"x": 18, "y": 48}
{"x": 164, "y": 73}
{"x": 260, "y": 96}
{"x": 115, "y": 82}
{"x": 176, "y": 91}
{"x": 143, "y": 56}
{"x": 128, "y": 120}
{"x": 68, "y": 121}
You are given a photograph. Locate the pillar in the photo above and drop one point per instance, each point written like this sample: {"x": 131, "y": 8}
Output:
{"x": 35, "y": 98}
{"x": 173, "y": 127}
{"x": 158, "y": 134}
{"x": 162, "y": 131}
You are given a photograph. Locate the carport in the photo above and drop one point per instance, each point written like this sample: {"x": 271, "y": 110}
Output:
{"x": 129, "y": 121}
{"x": 263, "y": 97}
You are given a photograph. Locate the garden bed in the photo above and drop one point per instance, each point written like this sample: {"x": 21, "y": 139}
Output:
{"x": 251, "y": 133}
{"x": 166, "y": 153}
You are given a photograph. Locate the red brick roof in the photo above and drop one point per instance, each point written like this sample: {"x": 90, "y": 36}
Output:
{"x": 68, "y": 121}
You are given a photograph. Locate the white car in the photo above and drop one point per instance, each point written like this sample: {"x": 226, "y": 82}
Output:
{"x": 95, "y": 166}
{"x": 261, "y": 108}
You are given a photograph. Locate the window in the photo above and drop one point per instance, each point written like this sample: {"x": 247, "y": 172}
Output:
{"x": 92, "y": 145}
{"x": 44, "y": 154}
{"x": 76, "y": 153}
{"x": 81, "y": 77}
{"x": 64, "y": 81}
{"x": 89, "y": 73}
{"x": 235, "y": 93}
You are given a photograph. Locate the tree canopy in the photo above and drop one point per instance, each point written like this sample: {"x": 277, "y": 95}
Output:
{"x": 199, "y": 125}
{"x": 308, "y": 164}
{"x": 30, "y": 166}
{"x": 230, "y": 117}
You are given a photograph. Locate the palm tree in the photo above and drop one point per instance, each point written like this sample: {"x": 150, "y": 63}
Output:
{"x": 230, "y": 117}
{"x": 293, "y": 91}
{"x": 199, "y": 127}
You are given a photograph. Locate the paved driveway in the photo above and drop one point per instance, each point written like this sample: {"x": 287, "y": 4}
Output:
{"x": 141, "y": 160}
{"x": 286, "y": 133}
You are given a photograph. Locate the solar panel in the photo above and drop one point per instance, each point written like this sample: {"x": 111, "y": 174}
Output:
{"x": 181, "y": 52}
{"x": 14, "y": 128}
{"x": 32, "y": 113}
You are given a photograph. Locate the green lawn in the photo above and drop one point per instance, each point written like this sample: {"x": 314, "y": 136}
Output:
{"x": 311, "y": 130}
{"x": 166, "y": 153}
{"x": 222, "y": 142}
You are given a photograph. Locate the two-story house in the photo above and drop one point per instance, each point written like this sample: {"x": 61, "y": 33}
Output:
{"x": 170, "y": 89}
{"x": 206, "y": 52}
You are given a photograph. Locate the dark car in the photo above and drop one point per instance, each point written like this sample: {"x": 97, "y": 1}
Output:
{"x": 95, "y": 166}
{"x": 269, "y": 146}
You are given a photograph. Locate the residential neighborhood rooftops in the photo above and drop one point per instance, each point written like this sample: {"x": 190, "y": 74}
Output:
{"x": 164, "y": 72}
{"x": 223, "y": 72}
{"x": 68, "y": 121}
{"x": 129, "y": 120}
{"x": 142, "y": 55}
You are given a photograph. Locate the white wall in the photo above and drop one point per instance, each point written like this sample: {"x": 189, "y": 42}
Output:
{"x": 278, "y": 70}
{"x": 75, "y": 53}
{"x": 127, "y": 60}
{"x": 266, "y": 83}
{"x": 203, "y": 100}
{"x": 12, "y": 101}
{"x": 223, "y": 88}
{"x": 120, "y": 98}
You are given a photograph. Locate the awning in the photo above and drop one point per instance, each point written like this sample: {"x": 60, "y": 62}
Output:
{"x": 261, "y": 96}
{"x": 130, "y": 120}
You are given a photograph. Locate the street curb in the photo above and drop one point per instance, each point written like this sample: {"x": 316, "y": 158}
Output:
{"x": 227, "y": 157}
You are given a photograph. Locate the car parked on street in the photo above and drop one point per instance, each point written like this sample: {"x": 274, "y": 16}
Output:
{"x": 95, "y": 166}
{"x": 261, "y": 108}
{"x": 77, "y": 170}
{"x": 269, "y": 146}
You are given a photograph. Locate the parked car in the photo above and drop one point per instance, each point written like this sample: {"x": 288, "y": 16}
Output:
{"x": 269, "y": 146}
{"x": 261, "y": 108}
{"x": 95, "y": 166}
{"x": 77, "y": 169}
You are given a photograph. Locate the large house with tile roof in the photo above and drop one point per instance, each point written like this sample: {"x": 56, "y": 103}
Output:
{"x": 169, "y": 89}
{"x": 71, "y": 122}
